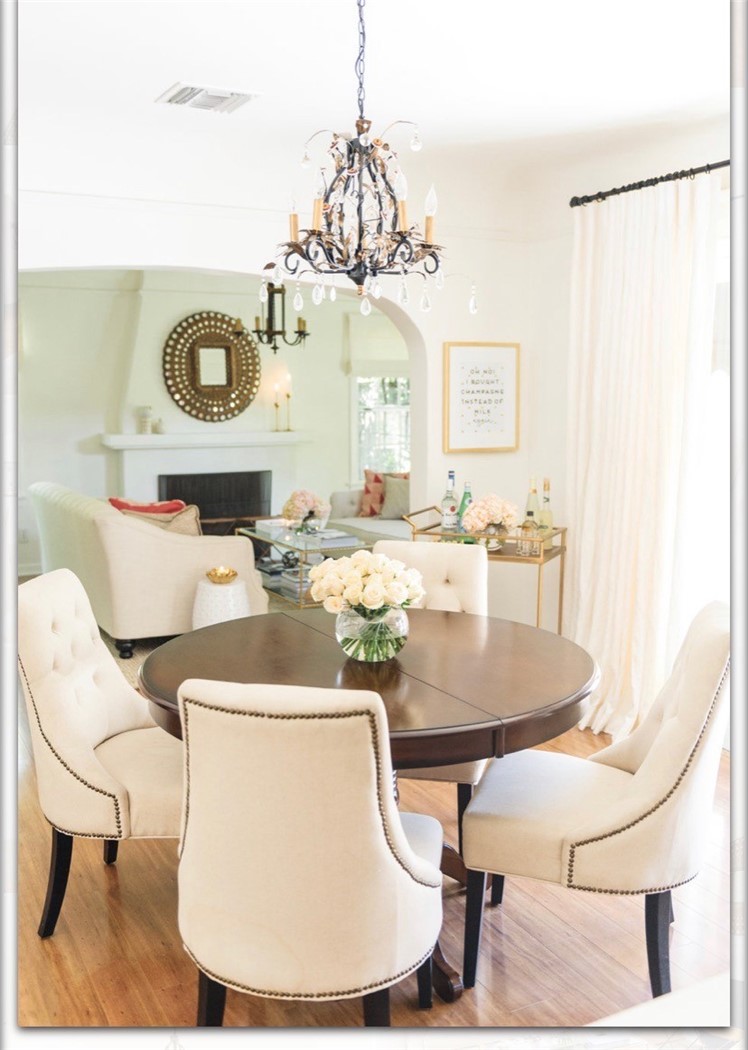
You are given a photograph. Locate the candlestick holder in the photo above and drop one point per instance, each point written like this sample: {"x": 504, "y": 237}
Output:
{"x": 288, "y": 411}
{"x": 276, "y": 406}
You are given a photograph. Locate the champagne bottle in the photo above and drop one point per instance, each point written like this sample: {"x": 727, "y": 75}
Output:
{"x": 450, "y": 516}
{"x": 467, "y": 499}
{"x": 545, "y": 519}
{"x": 532, "y": 501}
{"x": 528, "y": 545}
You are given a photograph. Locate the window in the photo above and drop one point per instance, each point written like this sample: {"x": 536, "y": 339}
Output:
{"x": 382, "y": 422}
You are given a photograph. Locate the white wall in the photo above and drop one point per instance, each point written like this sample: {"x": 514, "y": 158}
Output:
{"x": 506, "y": 224}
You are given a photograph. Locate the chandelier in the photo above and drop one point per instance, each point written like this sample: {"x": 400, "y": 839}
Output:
{"x": 271, "y": 326}
{"x": 359, "y": 226}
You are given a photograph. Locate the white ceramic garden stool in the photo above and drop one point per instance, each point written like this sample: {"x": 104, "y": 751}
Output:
{"x": 216, "y": 602}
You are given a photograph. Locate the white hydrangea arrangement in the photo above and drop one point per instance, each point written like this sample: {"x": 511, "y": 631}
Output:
{"x": 365, "y": 582}
{"x": 487, "y": 511}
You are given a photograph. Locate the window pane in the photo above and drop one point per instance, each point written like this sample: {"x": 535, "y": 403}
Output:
{"x": 384, "y": 423}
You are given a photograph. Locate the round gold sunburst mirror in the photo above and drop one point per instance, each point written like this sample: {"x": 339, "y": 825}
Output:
{"x": 211, "y": 366}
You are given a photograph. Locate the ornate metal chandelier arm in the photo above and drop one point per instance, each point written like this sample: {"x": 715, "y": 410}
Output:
{"x": 394, "y": 124}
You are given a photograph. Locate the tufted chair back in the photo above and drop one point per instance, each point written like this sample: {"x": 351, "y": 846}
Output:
{"x": 76, "y": 699}
{"x": 307, "y": 889}
{"x": 455, "y": 575}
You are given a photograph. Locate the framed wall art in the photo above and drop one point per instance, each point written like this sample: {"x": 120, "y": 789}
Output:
{"x": 481, "y": 397}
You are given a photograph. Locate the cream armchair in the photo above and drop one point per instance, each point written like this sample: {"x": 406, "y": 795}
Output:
{"x": 306, "y": 891}
{"x": 455, "y": 578}
{"x": 104, "y": 770}
{"x": 140, "y": 580}
{"x": 629, "y": 820}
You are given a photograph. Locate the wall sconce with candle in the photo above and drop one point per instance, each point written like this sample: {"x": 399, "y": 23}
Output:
{"x": 271, "y": 325}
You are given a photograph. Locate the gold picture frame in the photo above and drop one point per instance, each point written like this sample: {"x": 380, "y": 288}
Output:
{"x": 481, "y": 397}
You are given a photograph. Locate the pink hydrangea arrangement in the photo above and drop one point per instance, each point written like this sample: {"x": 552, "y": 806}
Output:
{"x": 302, "y": 504}
{"x": 489, "y": 510}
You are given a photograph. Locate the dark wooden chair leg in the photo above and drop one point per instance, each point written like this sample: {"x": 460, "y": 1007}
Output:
{"x": 497, "y": 889}
{"x": 125, "y": 647}
{"x": 110, "y": 850}
{"x": 476, "y": 892}
{"x": 657, "y": 911}
{"x": 211, "y": 1000}
{"x": 425, "y": 985}
{"x": 464, "y": 794}
{"x": 377, "y": 1009}
{"x": 59, "y": 869}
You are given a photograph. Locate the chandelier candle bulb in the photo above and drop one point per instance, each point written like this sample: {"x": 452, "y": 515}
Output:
{"x": 430, "y": 206}
{"x": 293, "y": 224}
{"x": 317, "y": 214}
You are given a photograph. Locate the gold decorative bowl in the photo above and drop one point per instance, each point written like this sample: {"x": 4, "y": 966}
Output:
{"x": 221, "y": 574}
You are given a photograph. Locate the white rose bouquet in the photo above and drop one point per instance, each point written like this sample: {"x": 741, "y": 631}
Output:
{"x": 302, "y": 505}
{"x": 489, "y": 510}
{"x": 370, "y": 586}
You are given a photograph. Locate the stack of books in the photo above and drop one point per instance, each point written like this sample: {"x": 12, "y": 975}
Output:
{"x": 294, "y": 583}
{"x": 271, "y": 573}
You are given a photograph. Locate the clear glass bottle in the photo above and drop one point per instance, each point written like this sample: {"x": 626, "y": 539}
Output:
{"x": 545, "y": 518}
{"x": 528, "y": 545}
{"x": 450, "y": 515}
{"x": 467, "y": 499}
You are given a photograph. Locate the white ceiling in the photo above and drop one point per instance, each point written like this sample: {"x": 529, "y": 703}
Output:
{"x": 508, "y": 72}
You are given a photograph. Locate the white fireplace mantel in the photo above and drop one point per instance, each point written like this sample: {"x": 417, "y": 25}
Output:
{"x": 222, "y": 439}
{"x": 142, "y": 458}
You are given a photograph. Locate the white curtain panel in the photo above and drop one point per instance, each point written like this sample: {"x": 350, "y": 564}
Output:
{"x": 642, "y": 310}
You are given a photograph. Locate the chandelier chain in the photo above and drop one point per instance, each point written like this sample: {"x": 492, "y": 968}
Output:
{"x": 360, "y": 59}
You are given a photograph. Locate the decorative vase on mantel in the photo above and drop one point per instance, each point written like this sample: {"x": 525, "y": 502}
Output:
{"x": 372, "y": 635}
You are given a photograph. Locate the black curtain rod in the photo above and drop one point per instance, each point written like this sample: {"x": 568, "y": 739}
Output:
{"x": 689, "y": 174}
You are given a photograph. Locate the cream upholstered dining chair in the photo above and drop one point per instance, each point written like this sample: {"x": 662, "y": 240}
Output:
{"x": 455, "y": 578}
{"x": 104, "y": 769}
{"x": 305, "y": 892}
{"x": 631, "y": 819}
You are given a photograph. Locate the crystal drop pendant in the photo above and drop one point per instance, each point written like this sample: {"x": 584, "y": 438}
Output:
{"x": 317, "y": 294}
{"x": 263, "y": 293}
{"x": 473, "y": 303}
{"x": 298, "y": 300}
{"x": 402, "y": 294}
{"x": 333, "y": 294}
{"x": 306, "y": 160}
{"x": 367, "y": 283}
{"x": 425, "y": 303}
{"x": 277, "y": 275}
{"x": 439, "y": 279}
{"x": 365, "y": 307}
{"x": 415, "y": 143}
{"x": 376, "y": 290}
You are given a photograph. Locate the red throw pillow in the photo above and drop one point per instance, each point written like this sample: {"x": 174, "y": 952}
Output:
{"x": 167, "y": 506}
{"x": 373, "y": 494}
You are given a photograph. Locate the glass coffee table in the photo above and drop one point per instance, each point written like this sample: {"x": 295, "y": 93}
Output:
{"x": 288, "y": 574}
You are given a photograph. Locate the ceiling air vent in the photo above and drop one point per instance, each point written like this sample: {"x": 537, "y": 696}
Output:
{"x": 216, "y": 100}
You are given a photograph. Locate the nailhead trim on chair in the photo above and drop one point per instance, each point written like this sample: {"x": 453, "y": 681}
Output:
{"x": 285, "y": 718}
{"x": 63, "y": 763}
{"x": 632, "y": 823}
{"x": 349, "y": 993}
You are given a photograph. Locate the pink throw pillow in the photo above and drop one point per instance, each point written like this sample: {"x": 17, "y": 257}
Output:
{"x": 168, "y": 506}
{"x": 373, "y": 494}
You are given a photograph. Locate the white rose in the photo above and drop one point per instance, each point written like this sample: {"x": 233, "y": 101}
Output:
{"x": 373, "y": 595}
{"x": 352, "y": 593}
{"x": 378, "y": 562}
{"x": 318, "y": 591}
{"x": 361, "y": 559}
{"x": 343, "y": 566}
{"x": 333, "y": 604}
{"x": 334, "y": 585}
{"x": 396, "y": 593}
{"x": 352, "y": 578}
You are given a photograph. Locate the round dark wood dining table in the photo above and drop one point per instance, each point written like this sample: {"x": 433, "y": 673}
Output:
{"x": 463, "y": 688}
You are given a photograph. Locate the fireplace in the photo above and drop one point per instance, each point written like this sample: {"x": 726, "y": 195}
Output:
{"x": 226, "y": 500}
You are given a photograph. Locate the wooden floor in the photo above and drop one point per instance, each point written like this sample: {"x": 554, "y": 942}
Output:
{"x": 549, "y": 956}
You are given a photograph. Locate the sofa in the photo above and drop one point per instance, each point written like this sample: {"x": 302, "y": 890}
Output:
{"x": 140, "y": 579}
{"x": 345, "y": 508}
